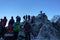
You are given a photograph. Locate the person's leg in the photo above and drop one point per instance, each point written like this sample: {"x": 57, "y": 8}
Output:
{"x": 29, "y": 37}
{"x": 15, "y": 35}
{"x": 3, "y": 32}
{"x": 26, "y": 38}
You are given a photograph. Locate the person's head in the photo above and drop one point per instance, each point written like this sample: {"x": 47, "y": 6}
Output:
{"x": 11, "y": 17}
{"x": 41, "y": 12}
{"x": 18, "y": 19}
{"x": 33, "y": 17}
{"x": 5, "y": 17}
{"x": 24, "y": 17}
{"x": 28, "y": 17}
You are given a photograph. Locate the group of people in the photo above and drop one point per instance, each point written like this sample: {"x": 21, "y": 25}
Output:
{"x": 15, "y": 26}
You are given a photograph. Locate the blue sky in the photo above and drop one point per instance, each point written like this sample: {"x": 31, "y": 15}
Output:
{"x": 10, "y": 8}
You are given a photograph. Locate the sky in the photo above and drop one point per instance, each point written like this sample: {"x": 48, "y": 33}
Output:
{"x": 13, "y": 8}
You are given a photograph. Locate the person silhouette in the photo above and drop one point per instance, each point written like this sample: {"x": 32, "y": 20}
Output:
{"x": 10, "y": 24}
{"x": 16, "y": 27}
{"x": 27, "y": 30}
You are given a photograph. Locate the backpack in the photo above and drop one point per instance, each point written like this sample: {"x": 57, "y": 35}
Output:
{"x": 16, "y": 27}
{"x": 10, "y": 27}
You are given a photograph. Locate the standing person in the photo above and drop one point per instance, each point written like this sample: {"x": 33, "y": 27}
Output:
{"x": 17, "y": 27}
{"x": 10, "y": 24}
{"x": 4, "y": 21}
{"x": 27, "y": 30}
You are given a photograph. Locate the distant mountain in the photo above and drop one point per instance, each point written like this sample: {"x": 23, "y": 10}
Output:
{"x": 55, "y": 18}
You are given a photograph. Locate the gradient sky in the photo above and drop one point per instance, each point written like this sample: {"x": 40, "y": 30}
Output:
{"x": 10, "y": 8}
